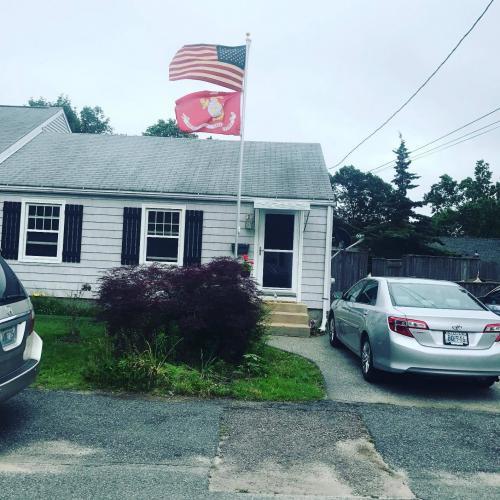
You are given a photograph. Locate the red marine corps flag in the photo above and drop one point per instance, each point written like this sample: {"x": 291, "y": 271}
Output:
{"x": 205, "y": 111}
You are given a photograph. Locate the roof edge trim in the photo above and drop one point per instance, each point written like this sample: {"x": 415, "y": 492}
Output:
{"x": 13, "y": 148}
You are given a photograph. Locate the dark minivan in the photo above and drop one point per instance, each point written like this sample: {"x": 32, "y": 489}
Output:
{"x": 20, "y": 346}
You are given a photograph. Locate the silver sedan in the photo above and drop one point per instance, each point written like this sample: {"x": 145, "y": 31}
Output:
{"x": 413, "y": 325}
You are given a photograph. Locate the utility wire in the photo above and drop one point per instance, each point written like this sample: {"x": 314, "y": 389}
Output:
{"x": 450, "y": 144}
{"x": 419, "y": 88}
{"x": 430, "y": 152}
{"x": 439, "y": 138}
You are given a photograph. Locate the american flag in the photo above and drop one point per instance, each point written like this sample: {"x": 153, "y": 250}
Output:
{"x": 217, "y": 64}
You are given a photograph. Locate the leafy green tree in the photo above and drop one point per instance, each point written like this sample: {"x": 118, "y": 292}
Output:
{"x": 93, "y": 121}
{"x": 443, "y": 195}
{"x": 362, "y": 198}
{"x": 89, "y": 120}
{"x": 167, "y": 128}
{"x": 467, "y": 208}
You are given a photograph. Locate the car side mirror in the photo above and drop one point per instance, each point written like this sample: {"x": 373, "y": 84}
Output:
{"x": 337, "y": 295}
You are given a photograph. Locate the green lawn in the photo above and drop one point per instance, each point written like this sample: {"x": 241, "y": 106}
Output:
{"x": 288, "y": 377}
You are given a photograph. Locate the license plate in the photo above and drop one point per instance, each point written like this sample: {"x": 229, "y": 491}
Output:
{"x": 456, "y": 338}
{"x": 8, "y": 336}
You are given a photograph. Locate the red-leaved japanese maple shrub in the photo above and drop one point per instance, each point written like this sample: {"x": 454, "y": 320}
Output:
{"x": 208, "y": 311}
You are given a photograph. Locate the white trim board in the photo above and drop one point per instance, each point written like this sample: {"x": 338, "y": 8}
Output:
{"x": 281, "y": 204}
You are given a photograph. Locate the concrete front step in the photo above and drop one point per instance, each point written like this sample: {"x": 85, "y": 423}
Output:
{"x": 291, "y": 307}
{"x": 291, "y": 318}
{"x": 289, "y": 330}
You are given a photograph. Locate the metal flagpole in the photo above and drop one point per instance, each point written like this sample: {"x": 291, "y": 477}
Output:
{"x": 242, "y": 146}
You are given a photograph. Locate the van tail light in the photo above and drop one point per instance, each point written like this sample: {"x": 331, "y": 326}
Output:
{"x": 403, "y": 325}
{"x": 31, "y": 323}
{"x": 495, "y": 328}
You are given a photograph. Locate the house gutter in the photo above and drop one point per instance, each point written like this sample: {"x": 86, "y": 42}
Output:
{"x": 142, "y": 194}
{"x": 328, "y": 267}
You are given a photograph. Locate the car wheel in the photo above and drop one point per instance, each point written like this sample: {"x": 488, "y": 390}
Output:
{"x": 485, "y": 382}
{"x": 370, "y": 374}
{"x": 332, "y": 333}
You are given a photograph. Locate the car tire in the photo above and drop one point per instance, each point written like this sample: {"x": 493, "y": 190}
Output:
{"x": 332, "y": 332}
{"x": 485, "y": 382}
{"x": 369, "y": 372}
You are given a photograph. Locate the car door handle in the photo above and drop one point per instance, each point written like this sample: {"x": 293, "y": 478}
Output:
{"x": 365, "y": 313}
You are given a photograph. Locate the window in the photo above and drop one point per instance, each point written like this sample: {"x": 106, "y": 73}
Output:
{"x": 42, "y": 231}
{"x": 163, "y": 240}
{"x": 369, "y": 294}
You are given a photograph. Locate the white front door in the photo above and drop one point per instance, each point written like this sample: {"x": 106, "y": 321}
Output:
{"x": 278, "y": 250}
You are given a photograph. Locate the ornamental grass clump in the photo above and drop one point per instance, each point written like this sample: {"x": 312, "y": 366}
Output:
{"x": 202, "y": 312}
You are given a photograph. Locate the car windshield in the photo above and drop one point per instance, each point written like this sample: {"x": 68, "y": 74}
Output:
{"x": 10, "y": 287}
{"x": 432, "y": 295}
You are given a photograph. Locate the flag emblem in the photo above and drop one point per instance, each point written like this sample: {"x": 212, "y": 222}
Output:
{"x": 218, "y": 64}
{"x": 213, "y": 112}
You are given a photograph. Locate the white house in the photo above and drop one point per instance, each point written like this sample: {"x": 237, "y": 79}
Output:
{"x": 75, "y": 205}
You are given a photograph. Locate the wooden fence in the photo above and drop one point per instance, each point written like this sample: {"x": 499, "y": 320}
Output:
{"x": 347, "y": 268}
{"x": 350, "y": 266}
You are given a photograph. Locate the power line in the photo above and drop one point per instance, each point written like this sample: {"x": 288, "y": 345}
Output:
{"x": 419, "y": 88}
{"x": 430, "y": 152}
{"x": 439, "y": 138}
{"x": 457, "y": 129}
{"x": 450, "y": 144}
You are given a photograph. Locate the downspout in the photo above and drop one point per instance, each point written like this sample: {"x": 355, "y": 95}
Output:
{"x": 328, "y": 267}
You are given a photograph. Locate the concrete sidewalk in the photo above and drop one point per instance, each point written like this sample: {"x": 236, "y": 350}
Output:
{"x": 344, "y": 382}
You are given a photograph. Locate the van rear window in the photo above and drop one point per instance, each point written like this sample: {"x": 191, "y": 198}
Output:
{"x": 11, "y": 289}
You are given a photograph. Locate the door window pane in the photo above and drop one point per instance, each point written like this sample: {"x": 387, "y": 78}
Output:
{"x": 277, "y": 270}
{"x": 279, "y": 232}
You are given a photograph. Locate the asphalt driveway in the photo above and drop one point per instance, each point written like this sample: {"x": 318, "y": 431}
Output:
{"x": 71, "y": 445}
{"x": 344, "y": 381}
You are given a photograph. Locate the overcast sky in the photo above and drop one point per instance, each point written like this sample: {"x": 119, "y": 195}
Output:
{"x": 319, "y": 71}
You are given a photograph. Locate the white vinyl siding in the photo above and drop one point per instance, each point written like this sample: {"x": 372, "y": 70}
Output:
{"x": 102, "y": 243}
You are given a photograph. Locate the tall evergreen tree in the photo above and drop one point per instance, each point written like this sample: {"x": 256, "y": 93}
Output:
{"x": 402, "y": 177}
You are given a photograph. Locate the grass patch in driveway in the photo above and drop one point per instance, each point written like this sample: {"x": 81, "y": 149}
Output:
{"x": 289, "y": 378}
{"x": 284, "y": 376}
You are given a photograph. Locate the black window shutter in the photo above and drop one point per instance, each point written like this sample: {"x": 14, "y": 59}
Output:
{"x": 131, "y": 238}
{"x": 192, "y": 237}
{"x": 72, "y": 241}
{"x": 10, "y": 229}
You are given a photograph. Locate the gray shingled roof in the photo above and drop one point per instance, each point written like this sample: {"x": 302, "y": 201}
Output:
{"x": 17, "y": 121}
{"x": 166, "y": 165}
{"x": 487, "y": 248}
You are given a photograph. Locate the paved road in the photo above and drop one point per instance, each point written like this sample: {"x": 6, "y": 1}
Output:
{"x": 70, "y": 445}
{"x": 344, "y": 381}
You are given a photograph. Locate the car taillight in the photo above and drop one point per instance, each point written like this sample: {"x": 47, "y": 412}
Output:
{"x": 495, "y": 328}
{"x": 403, "y": 325}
